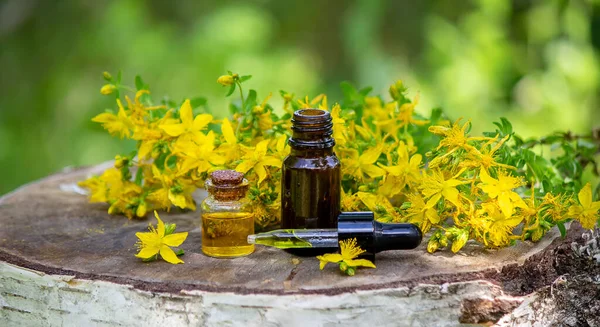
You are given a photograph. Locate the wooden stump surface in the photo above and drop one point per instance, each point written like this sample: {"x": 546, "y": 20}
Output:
{"x": 47, "y": 227}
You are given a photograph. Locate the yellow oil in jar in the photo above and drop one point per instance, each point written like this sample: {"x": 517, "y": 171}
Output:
{"x": 225, "y": 234}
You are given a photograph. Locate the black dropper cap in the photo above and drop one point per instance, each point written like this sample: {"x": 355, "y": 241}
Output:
{"x": 373, "y": 236}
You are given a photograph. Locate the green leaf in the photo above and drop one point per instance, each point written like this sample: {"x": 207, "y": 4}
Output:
{"x": 245, "y": 78}
{"x": 349, "y": 91}
{"x": 365, "y": 91}
{"x": 139, "y": 83}
{"x": 231, "y": 90}
{"x": 198, "y": 102}
{"x": 250, "y": 100}
{"x": 139, "y": 176}
{"x": 504, "y": 126}
{"x": 152, "y": 258}
{"x": 180, "y": 252}
{"x": 119, "y": 77}
{"x": 562, "y": 229}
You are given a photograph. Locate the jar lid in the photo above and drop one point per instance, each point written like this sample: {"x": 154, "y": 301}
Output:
{"x": 226, "y": 178}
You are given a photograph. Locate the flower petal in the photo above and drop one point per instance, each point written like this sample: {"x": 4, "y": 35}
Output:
{"x": 160, "y": 228}
{"x": 244, "y": 166}
{"x": 146, "y": 253}
{"x": 485, "y": 177}
{"x": 169, "y": 256}
{"x": 505, "y": 204}
{"x": 260, "y": 170}
{"x": 451, "y": 194}
{"x": 174, "y": 239}
{"x": 370, "y": 155}
{"x": 147, "y": 237}
{"x": 201, "y": 121}
{"x": 585, "y": 196}
{"x": 360, "y": 263}
{"x": 173, "y": 129}
{"x": 271, "y": 161}
{"x": 227, "y": 131}
{"x": 373, "y": 171}
{"x": 261, "y": 149}
{"x": 185, "y": 113}
{"x": 331, "y": 257}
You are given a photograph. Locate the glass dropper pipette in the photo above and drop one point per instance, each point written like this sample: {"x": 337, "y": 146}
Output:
{"x": 372, "y": 236}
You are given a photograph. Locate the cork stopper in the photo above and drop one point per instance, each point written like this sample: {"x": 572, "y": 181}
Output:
{"x": 227, "y": 185}
{"x": 226, "y": 178}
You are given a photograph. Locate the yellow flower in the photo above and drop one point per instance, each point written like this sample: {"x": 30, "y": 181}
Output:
{"x": 373, "y": 108}
{"x": 339, "y": 125}
{"x": 171, "y": 191}
{"x": 587, "y": 212}
{"x": 349, "y": 251}
{"x": 257, "y": 160}
{"x": 436, "y": 186}
{"x": 108, "y": 89}
{"x": 358, "y": 165}
{"x": 405, "y": 172}
{"x": 99, "y": 185}
{"x": 231, "y": 149}
{"x": 460, "y": 239}
{"x": 407, "y": 110}
{"x": 282, "y": 148}
{"x": 156, "y": 242}
{"x": 502, "y": 188}
{"x": 118, "y": 124}
{"x": 225, "y": 80}
{"x": 421, "y": 213}
{"x": 381, "y": 206}
{"x": 312, "y": 103}
{"x": 265, "y": 121}
{"x": 499, "y": 230}
{"x": 198, "y": 154}
{"x": 150, "y": 135}
{"x": 485, "y": 159}
{"x": 189, "y": 125}
{"x": 123, "y": 196}
{"x": 350, "y": 202}
{"x": 397, "y": 89}
{"x": 403, "y": 118}
{"x": 455, "y": 137}
{"x": 137, "y": 110}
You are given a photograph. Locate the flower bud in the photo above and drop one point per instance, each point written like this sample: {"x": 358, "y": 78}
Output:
{"x": 343, "y": 266}
{"x": 141, "y": 210}
{"x": 170, "y": 228}
{"x": 396, "y": 89}
{"x": 350, "y": 271}
{"x": 121, "y": 162}
{"x": 225, "y": 80}
{"x": 108, "y": 89}
{"x": 107, "y": 76}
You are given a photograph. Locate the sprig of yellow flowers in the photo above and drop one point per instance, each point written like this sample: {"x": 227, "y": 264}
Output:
{"x": 404, "y": 167}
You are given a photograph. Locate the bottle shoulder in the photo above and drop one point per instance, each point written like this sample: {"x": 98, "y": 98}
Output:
{"x": 210, "y": 204}
{"x": 328, "y": 161}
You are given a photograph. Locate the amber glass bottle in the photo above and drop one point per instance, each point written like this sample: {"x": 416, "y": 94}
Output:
{"x": 227, "y": 217}
{"x": 311, "y": 173}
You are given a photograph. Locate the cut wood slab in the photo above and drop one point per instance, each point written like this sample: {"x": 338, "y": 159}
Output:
{"x": 67, "y": 262}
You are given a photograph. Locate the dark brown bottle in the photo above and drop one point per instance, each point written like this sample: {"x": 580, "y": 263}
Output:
{"x": 311, "y": 175}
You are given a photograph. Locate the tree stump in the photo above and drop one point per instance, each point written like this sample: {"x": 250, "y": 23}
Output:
{"x": 64, "y": 261}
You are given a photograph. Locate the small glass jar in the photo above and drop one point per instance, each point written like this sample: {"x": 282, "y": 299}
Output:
{"x": 227, "y": 217}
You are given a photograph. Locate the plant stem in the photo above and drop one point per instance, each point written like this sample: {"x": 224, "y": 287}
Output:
{"x": 242, "y": 95}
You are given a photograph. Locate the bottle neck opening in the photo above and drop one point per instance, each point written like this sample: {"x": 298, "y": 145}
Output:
{"x": 312, "y": 129}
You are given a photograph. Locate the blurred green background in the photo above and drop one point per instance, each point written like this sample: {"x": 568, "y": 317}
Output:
{"x": 535, "y": 62}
